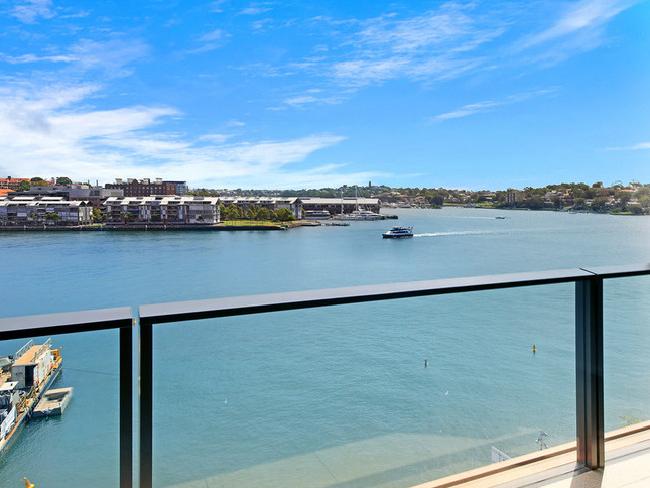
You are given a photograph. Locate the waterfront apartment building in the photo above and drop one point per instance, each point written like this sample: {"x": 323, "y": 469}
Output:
{"x": 146, "y": 187}
{"x": 95, "y": 195}
{"x": 205, "y": 210}
{"x": 162, "y": 210}
{"x": 38, "y": 210}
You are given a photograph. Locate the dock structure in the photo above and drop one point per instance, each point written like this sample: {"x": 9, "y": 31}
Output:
{"x": 24, "y": 378}
{"x": 53, "y": 402}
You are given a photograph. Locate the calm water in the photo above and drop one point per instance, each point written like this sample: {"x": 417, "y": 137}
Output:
{"x": 335, "y": 397}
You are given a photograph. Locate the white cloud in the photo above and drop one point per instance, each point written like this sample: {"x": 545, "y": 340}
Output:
{"x": 56, "y": 131}
{"x": 30, "y": 11}
{"x": 634, "y": 147}
{"x": 213, "y": 35}
{"x": 313, "y": 96}
{"x": 581, "y": 27}
{"x": 216, "y": 6}
{"x": 453, "y": 40}
{"x": 469, "y": 109}
{"x": 361, "y": 72}
{"x": 439, "y": 44}
{"x": 209, "y": 41}
{"x": 235, "y": 123}
{"x": 217, "y": 138}
{"x": 110, "y": 56}
{"x": 489, "y": 105}
{"x": 579, "y": 16}
{"x": 255, "y": 9}
{"x": 36, "y": 58}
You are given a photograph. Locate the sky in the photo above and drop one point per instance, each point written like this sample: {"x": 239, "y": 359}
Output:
{"x": 294, "y": 94}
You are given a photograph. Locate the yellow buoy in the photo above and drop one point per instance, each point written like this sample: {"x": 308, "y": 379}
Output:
{"x": 28, "y": 484}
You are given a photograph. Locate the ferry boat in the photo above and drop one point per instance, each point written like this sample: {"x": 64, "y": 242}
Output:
{"x": 24, "y": 378}
{"x": 398, "y": 233}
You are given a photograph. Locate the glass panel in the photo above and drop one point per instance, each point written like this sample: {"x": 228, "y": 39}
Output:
{"x": 627, "y": 346}
{"x": 79, "y": 447}
{"x": 382, "y": 394}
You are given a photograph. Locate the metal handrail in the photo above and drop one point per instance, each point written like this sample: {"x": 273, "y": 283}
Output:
{"x": 274, "y": 302}
{"x": 589, "y": 343}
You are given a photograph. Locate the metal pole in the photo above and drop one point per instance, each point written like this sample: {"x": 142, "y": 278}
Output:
{"x": 126, "y": 406}
{"x": 146, "y": 404}
{"x": 590, "y": 417}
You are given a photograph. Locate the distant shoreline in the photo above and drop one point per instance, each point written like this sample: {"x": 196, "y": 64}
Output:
{"x": 525, "y": 209}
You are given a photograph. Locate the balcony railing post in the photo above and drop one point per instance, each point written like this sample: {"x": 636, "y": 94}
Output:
{"x": 589, "y": 373}
{"x": 126, "y": 406}
{"x": 146, "y": 404}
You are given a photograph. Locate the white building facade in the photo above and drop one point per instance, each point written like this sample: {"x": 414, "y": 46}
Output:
{"x": 162, "y": 210}
{"x": 44, "y": 211}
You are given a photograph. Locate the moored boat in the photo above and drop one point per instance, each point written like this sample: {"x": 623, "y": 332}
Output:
{"x": 360, "y": 215}
{"x": 316, "y": 215}
{"x": 24, "y": 378}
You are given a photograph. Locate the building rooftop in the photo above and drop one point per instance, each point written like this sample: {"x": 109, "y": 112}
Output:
{"x": 30, "y": 356}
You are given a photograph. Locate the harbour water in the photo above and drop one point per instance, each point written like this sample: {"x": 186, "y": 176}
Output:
{"x": 335, "y": 397}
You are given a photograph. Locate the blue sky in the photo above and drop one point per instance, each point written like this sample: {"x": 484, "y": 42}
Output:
{"x": 465, "y": 94}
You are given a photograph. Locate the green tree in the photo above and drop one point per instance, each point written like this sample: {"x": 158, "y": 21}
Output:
{"x": 579, "y": 204}
{"x": 230, "y": 212}
{"x": 600, "y": 204}
{"x": 24, "y": 186}
{"x": 38, "y": 181}
{"x": 63, "y": 181}
{"x": 283, "y": 215}
{"x": 251, "y": 213}
{"x": 643, "y": 196}
{"x": 52, "y": 217}
{"x": 263, "y": 214}
{"x": 98, "y": 215}
{"x": 624, "y": 199}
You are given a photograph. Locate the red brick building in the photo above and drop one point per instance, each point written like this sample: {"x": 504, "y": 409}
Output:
{"x": 145, "y": 187}
{"x": 10, "y": 183}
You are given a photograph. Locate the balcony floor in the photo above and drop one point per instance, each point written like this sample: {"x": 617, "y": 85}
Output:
{"x": 627, "y": 465}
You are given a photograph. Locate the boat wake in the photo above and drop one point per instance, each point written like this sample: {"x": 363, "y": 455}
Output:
{"x": 459, "y": 233}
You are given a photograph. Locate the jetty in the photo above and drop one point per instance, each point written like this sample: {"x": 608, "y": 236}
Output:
{"x": 53, "y": 402}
